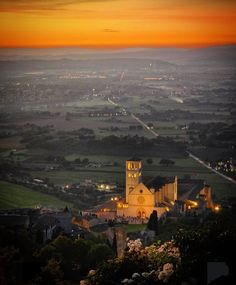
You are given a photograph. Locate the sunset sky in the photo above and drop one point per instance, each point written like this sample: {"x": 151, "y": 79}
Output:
{"x": 117, "y": 23}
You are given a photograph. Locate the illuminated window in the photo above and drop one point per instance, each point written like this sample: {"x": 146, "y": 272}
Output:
{"x": 120, "y": 205}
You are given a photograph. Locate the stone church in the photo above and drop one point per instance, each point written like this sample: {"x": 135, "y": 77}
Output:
{"x": 141, "y": 198}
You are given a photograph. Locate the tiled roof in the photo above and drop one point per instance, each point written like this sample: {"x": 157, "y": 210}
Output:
{"x": 134, "y": 159}
{"x": 46, "y": 221}
{"x": 159, "y": 181}
{"x": 189, "y": 188}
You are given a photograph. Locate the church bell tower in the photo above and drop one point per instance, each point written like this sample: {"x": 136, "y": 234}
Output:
{"x": 133, "y": 175}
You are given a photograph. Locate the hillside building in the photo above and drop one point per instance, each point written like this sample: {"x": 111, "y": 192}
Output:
{"x": 141, "y": 198}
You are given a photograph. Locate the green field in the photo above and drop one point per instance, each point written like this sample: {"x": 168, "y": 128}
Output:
{"x": 17, "y": 196}
{"x": 222, "y": 188}
{"x": 68, "y": 177}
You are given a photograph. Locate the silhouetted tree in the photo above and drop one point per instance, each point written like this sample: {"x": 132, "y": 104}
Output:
{"x": 66, "y": 210}
{"x": 98, "y": 254}
{"x": 85, "y": 160}
{"x": 153, "y": 222}
{"x": 51, "y": 272}
{"x": 149, "y": 161}
{"x": 77, "y": 160}
{"x": 166, "y": 162}
{"x": 114, "y": 243}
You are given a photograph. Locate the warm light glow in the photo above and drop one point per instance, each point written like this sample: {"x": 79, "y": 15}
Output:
{"x": 217, "y": 208}
{"x": 119, "y": 23}
{"x": 120, "y": 205}
{"x": 192, "y": 204}
{"x": 106, "y": 210}
{"x": 114, "y": 198}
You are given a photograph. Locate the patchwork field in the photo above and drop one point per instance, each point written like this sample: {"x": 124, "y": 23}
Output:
{"x": 222, "y": 188}
{"x": 106, "y": 111}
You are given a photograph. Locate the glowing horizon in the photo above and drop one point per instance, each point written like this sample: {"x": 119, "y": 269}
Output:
{"x": 117, "y": 23}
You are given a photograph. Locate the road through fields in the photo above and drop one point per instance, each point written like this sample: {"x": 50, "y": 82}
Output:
{"x": 189, "y": 153}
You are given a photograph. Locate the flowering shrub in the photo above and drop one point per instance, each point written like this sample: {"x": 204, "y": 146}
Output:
{"x": 158, "y": 254}
{"x": 134, "y": 245}
{"x": 167, "y": 271}
{"x": 155, "y": 264}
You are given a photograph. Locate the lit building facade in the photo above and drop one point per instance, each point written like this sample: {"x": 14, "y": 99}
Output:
{"x": 142, "y": 198}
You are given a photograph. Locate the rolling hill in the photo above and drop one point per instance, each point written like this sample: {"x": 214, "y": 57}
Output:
{"x": 17, "y": 196}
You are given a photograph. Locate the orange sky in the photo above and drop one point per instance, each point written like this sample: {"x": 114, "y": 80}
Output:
{"x": 117, "y": 23}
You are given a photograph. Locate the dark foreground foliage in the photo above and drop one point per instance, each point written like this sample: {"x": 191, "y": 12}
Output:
{"x": 67, "y": 260}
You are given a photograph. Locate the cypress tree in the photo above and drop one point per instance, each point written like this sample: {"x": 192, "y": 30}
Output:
{"x": 114, "y": 243}
{"x": 153, "y": 222}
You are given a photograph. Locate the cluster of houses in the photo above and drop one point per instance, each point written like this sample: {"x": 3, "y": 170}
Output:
{"x": 169, "y": 196}
{"x": 228, "y": 165}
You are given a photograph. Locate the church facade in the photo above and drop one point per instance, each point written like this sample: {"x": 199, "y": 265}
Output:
{"x": 141, "y": 198}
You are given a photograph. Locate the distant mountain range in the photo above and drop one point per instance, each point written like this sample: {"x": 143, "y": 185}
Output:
{"x": 216, "y": 55}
